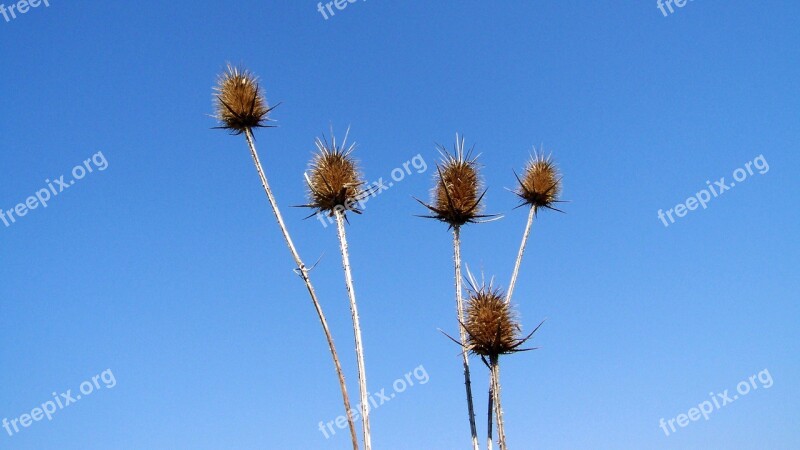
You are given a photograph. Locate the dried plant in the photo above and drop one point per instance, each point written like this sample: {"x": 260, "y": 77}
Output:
{"x": 491, "y": 326}
{"x": 335, "y": 186}
{"x": 240, "y": 102}
{"x": 241, "y": 106}
{"x": 457, "y": 200}
{"x": 456, "y": 193}
{"x": 493, "y": 329}
{"x": 539, "y": 187}
{"x": 334, "y": 181}
{"x": 488, "y": 326}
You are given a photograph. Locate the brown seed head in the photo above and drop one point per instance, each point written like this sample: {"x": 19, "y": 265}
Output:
{"x": 456, "y": 193}
{"x": 540, "y": 185}
{"x": 491, "y": 325}
{"x": 334, "y": 182}
{"x": 240, "y": 101}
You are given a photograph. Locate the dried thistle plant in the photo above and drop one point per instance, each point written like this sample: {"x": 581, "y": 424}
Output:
{"x": 456, "y": 201}
{"x": 456, "y": 192}
{"x": 240, "y": 101}
{"x": 539, "y": 187}
{"x": 335, "y": 182}
{"x": 335, "y": 186}
{"x": 241, "y": 106}
{"x": 493, "y": 329}
{"x": 491, "y": 326}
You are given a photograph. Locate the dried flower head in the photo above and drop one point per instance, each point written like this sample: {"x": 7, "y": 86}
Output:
{"x": 333, "y": 179}
{"x": 240, "y": 101}
{"x": 456, "y": 193}
{"x": 491, "y": 326}
{"x": 540, "y": 184}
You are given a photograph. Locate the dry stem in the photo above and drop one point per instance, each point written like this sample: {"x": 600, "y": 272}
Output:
{"x": 362, "y": 375}
{"x": 303, "y": 271}
{"x": 463, "y": 335}
{"x": 489, "y": 413}
{"x": 518, "y": 263}
{"x": 498, "y": 409}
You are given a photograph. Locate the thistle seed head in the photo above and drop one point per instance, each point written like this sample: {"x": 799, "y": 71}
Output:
{"x": 491, "y": 325}
{"x": 540, "y": 185}
{"x": 239, "y": 101}
{"x": 333, "y": 179}
{"x": 457, "y": 190}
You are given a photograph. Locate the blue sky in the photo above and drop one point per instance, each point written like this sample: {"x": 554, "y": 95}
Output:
{"x": 167, "y": 267}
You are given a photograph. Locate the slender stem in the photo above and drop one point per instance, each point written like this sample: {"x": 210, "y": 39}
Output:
{"x": 303, "y": 271}
{"x": 518, "y": 263}
{"x": 362, "y": 374}
{"x": 498, "y": 408}
{"x": 463, "y": 334}
{"x": 489, "y": 413}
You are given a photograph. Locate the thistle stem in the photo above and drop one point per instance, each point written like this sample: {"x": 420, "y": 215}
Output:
{"x": 362, "y": 374}
{"x": 303, "y": 271}
{"x": 490, "y": 413}
{"x": 518, "y": 263}
{"x": 463, "y": 334}
{"x": 498, "y": 409}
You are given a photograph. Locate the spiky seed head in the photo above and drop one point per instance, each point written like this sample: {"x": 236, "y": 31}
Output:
{"x": 457, "y": 190}
{"x": 333, "y": 179}
{"x": 239, "y": 101}
{"x": 492, "y": 327}
{"x": 540, "y": 185}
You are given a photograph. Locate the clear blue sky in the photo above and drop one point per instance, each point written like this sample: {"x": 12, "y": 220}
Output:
{"x": 168, "y": 269}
